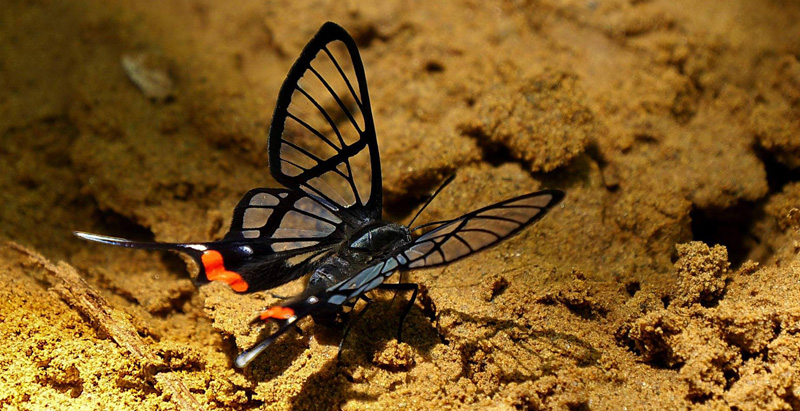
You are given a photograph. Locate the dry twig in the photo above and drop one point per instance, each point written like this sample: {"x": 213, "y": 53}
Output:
{"x": 82, "y": 297}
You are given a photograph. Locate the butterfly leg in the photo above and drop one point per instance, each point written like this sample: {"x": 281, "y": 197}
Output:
{"x": 403, "y": 287}
{"x": 350, "y": 325}
{"x": 299, "y": 330}
{"x": 399, "y": 281}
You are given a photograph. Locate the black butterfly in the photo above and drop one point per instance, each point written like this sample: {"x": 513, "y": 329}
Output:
{"x": 327, "y": 222}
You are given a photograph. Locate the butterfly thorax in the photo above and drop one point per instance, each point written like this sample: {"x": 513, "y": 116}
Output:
{"x": 379, "y": 239}
{"x": 374, "y": 242}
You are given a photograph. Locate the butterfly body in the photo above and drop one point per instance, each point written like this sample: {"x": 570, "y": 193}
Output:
{"x": 326, "y": 223}
{"x": 376, "y": 242}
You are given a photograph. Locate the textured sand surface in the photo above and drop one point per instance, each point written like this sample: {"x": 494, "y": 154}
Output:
{"x": 669, "y": 278}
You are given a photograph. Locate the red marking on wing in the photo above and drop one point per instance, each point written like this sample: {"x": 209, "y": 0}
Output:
{"x": 215, "y": 271}
{"x": 277, "y": 312}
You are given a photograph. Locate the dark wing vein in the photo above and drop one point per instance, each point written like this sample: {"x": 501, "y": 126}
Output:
{"x": 344, "y": 77}
{"x": 339, "y": 101}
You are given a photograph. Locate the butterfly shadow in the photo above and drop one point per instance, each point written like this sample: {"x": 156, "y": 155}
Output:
{"x": 369, "y": 334}
{"x": 522, "y": 344}
{"x": 374, "y": 331}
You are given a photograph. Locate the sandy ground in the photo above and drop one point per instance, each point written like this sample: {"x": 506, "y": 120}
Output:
{"x": 669, "y": 278}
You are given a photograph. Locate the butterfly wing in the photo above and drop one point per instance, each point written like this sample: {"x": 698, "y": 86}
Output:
{"x": 477, "y": 230}
{"x": 322, "y": 147}
{"x": 276, "y": 236}
{"x": 286, "y": 219}
{"x": 322, "y": 138}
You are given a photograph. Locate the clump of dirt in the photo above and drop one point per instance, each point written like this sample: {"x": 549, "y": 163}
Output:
{"x": 775, "y": 119}
{"x": 702, "y": 272}
{"x": 542, "y": 121}
{"x": 785, "y": 206}
{"x": 721, "y": 346}
{"x": 394, "y": 356}
{"x": 664, "y": 122}
{"x": 52, "y": 354}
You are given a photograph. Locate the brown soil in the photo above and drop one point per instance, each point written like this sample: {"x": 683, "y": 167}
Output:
{"x": 671, "y": 125}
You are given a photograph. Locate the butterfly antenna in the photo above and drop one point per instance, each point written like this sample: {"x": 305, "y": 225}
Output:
{"x": 435, "y": 193}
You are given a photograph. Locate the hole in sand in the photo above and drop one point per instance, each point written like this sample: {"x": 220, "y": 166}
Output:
{"x": 730, "y": 227}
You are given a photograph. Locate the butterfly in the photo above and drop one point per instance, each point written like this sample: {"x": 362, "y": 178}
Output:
{"x": 327, "y": 220}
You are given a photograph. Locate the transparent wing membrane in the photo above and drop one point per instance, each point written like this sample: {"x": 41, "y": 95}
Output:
{"x": 449, "y": 241}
